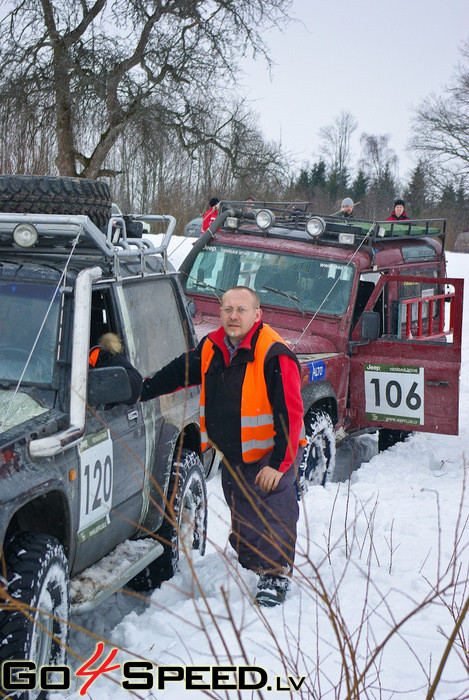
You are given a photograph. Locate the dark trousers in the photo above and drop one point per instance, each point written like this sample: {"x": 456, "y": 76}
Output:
{"x": 263, "y": 525}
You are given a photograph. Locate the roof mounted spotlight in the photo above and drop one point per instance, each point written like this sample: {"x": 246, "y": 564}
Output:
{"x": 25, "y": 235}
{"x": 232, "y": 222}
{"x": 265, "y": 219}
{"x": 315, "y": 226}
{"x": 347, "y": 238}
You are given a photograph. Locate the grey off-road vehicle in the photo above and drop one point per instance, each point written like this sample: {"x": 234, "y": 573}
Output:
{"x": 86, "y": 477}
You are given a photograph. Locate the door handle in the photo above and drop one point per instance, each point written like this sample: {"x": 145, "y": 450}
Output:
{"x": 441, "y": 383}
{"x": 132, "y": 415}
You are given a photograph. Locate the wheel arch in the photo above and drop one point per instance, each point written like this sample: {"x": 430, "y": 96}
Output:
{"x": 48, "y": 514}
{"x": 189, "y": 440}
{"x": 320, "y": 396}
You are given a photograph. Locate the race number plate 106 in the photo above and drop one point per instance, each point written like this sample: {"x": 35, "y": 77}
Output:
{"x": 394, "y": 394}
{"x": 96, "y": 482}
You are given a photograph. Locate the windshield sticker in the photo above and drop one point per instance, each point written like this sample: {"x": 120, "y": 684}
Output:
{"x": 317, "y": 370}
{"x": 394, "y": 393}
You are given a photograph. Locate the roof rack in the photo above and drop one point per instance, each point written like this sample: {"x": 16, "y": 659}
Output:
{"x": 291, "y": 219}
{"x": 59, "y": 234}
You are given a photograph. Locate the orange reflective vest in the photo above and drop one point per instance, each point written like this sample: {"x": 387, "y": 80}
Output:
{"x": 257, "y": 420}
{"x": 93, "y": 358}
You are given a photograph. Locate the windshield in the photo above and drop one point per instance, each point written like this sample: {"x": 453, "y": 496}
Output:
{"x": 23, "y": 307}
{"x": 288, "y": 281}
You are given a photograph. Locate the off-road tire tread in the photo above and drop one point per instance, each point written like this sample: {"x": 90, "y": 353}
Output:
{"x": 23, "y": 552}
{"x": 388, "y": 437}
{"x": 165, "y": 566}
{"x": 317, "y": 415}
{"x": 45, "y": 194}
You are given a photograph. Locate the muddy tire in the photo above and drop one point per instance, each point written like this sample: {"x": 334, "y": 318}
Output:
{"x": 388, "y": 438}
{"x": 318, "y": 462}
{"x": 44, "y": 194}
{"x": 184, "y": 527}
{"x": 37, "y": 576}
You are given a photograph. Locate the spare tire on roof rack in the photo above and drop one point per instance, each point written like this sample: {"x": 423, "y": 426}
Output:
{"x": 46, "y": 194}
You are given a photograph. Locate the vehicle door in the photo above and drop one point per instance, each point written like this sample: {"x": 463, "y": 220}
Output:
{"x": 158, "y": 333}
{"x": 111, "y": 458}
{"x": 408, "y": 378}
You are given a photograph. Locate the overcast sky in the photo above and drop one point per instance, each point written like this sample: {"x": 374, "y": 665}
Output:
{"x": 372, "y": 58}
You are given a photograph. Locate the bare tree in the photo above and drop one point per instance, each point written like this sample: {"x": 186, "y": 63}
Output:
{"x": 335, "y": 145}
{"x": 441, "y": 129}
{"x": 378, "y": 158}
{"x": 379, "y": 163}
{"x": 100, "y": 65}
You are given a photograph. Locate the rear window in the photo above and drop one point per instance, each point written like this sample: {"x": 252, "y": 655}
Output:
{"x": 418, "y": 252}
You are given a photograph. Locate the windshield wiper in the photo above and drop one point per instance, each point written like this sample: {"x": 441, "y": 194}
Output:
{"x": 292, "y": 298}
{"x": 201, "y": 283}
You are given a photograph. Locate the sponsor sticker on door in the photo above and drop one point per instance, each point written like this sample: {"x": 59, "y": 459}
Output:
{"x": 394, "y": 393}
{"x": 317, "y": 370}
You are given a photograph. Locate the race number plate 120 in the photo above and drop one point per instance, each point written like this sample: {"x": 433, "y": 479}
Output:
{"x": 394, "y": 393}
{"x": 96, "y": 482}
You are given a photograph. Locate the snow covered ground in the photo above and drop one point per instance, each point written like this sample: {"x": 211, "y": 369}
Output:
{"x": 370, "y": 552}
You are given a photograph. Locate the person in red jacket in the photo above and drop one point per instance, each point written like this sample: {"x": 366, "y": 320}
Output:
{"x": 210, "y": 215}
{"x": 251, "y": 411}
{"x": 398, "y": 213}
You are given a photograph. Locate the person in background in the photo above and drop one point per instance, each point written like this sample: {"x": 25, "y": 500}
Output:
{"x": 251, "y": 411}
{"x": 210, "y": 215}
{"x": 398, "y": 213}
{"x": 109, "y": 353}
{"x": 346, "y": 208}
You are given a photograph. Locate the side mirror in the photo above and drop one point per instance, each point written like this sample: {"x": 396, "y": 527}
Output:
{"x": 369, "y": 329}
{"x": 108, "y": 385}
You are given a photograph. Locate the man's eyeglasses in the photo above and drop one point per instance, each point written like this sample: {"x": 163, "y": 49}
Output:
{"x": 241, "y": 310}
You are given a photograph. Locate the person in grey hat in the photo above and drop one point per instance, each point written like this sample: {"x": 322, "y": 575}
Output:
{"x": 346, "y": 208}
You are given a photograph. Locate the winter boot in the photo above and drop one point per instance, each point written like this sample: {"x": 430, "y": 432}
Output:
{"x": 271, "y": 590}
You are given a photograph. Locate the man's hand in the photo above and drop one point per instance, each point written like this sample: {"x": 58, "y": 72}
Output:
{"x": 268, "y": 479}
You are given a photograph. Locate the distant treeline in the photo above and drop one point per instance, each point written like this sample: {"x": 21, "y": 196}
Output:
{"x": 106, "y": 91}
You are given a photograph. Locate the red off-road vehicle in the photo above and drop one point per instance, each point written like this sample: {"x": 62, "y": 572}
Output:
{"x": 366, "y": 307}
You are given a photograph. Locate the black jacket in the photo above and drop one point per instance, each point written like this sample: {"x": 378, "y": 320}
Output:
{"x": 106, "y": 359}
{"x": 223, "y": 385}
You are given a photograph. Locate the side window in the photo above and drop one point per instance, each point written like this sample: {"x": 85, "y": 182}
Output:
{"x": 407, "y": 291}
{"x": 416, "y": 311}
{"x": 156, "y": 333}
{"x": 366, "y": 285}
{"x": 102, "y": 318}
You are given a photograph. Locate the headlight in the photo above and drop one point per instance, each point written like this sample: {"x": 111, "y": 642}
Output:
{"x": 315, "y": 226}
{"x": 265, "y": 219}
{"x": 231, "y": 222}
{"x": 25, "y": 235}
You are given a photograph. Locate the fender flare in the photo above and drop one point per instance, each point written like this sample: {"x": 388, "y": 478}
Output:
{"x": 320, "y": 392}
